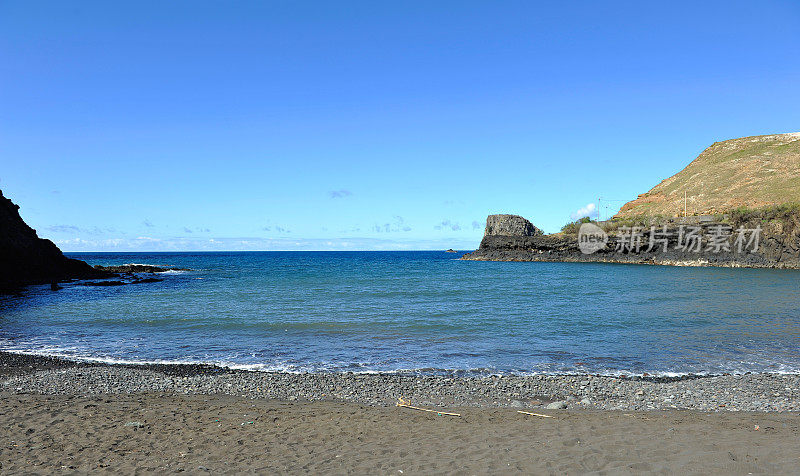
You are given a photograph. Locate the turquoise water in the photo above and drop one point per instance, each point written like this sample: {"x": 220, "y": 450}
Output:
{"x": 418, "y": 311}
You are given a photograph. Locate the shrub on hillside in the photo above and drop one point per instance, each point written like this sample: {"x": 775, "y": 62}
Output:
{"x": 573, "y": 227}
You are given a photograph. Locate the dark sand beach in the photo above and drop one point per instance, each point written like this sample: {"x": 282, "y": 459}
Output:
{"x": 123, "y": 425}
{"x": 163, "y": 433}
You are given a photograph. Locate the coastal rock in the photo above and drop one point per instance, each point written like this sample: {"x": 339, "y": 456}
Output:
{"x": 662, "y": 242}
{"x": 136, "y": 268}
{"x": 128, "y": 279}
{"x": 27, "y": 259}
{"x": 147, "y": 280}
{"x": 510, "y": 225}
{"x": 104, "y": 283}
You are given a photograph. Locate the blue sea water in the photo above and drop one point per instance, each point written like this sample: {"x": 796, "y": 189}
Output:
{"x": 418, "y": 311}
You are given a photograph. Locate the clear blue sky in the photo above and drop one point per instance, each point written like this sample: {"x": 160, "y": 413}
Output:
{"x": 368, "y": 125}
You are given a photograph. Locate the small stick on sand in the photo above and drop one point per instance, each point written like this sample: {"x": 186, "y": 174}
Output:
{"x": 535, "y": 414}
{"x": 404, "y": 404}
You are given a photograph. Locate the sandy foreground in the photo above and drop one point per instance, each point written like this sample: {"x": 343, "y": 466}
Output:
{"x": 63, "y": 417}
{"x": 168, "y": 433}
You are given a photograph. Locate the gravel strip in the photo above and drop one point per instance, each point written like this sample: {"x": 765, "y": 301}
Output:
{"x": 750, "y": 392}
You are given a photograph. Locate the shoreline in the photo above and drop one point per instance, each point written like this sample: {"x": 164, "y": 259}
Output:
{"x": 698, "y": 263}
{"x": 45, "y": 360}
{"x": 758, "y": 392}
{"x": 72, "y": 417}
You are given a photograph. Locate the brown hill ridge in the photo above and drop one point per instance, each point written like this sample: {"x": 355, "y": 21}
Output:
{"x": 752, "y": 172}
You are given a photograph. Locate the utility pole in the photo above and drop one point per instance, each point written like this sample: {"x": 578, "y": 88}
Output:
{"x": 684, "y": 204}
{"x": 598, "y": 208}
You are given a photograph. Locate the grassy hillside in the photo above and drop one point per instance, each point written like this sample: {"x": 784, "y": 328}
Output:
{"x": 752, "y": 172}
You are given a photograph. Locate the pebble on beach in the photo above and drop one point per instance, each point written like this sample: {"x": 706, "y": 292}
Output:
{"x": 749, "y": 392}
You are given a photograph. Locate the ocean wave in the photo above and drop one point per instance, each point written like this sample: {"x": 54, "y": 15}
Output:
{"x": 59, "y": 353}
{"x": 73, "y": 354}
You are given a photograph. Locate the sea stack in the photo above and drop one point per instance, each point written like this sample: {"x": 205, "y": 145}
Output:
{"x": 510, "y": 225}
{"x": 27, "y": 259}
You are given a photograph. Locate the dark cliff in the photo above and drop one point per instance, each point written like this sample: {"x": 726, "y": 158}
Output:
{"x": 755, "y": 240}
{"x": 510, "y": 225}
{"x": 27, "y": 259}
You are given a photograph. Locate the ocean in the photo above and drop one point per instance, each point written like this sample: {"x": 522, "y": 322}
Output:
{"x": 419, "y": 312}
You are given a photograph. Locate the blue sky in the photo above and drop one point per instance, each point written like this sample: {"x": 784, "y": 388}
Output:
{"x": 368, "y": 125}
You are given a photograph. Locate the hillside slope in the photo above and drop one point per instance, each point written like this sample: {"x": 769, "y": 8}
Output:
{"x": 751, "y": 172}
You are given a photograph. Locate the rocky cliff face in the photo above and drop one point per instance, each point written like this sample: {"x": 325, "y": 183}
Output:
{"x": 752, "y": 241}
{"x": 27, "y": 259}
{"x": 510, "y": 225}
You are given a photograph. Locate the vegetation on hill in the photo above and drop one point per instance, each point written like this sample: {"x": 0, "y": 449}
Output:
{"x": 786, "y": 216}
{"x": 573, "y": 227}
{"x": 783, "y": 219}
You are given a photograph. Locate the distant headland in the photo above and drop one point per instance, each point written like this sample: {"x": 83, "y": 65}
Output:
{"x": 27, "y": 259}
{"x": 737, "y": 205}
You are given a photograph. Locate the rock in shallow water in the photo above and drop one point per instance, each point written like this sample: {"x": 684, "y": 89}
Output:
{"x": 137, "y": 268}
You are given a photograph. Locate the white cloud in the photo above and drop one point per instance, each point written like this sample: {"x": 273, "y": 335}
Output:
{"x": 397, "y": 226}
{"x": 590, "y": 210}
{"x": 339, "y": 193}
{"x": 147, "y": 244}
{"x": 445, "y": 224}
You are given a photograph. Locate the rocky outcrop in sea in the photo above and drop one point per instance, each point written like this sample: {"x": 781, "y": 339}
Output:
{"x": 752, "y": 240}
{"x": 137, "y": 268}
{"x": 27, "y": 259}
{"x": 510, "y": 225}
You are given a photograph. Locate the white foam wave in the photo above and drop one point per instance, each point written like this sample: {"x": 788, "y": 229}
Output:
{"x": 73, "y": 354}
{"x": 102, "y": 360}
